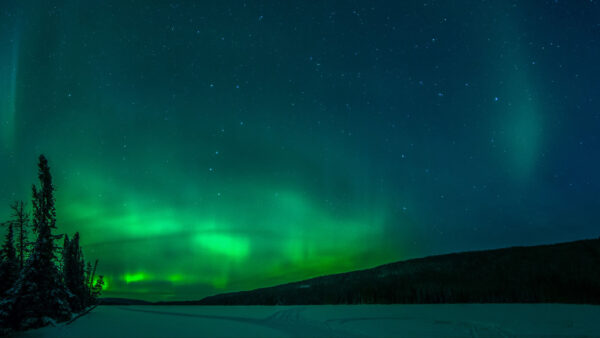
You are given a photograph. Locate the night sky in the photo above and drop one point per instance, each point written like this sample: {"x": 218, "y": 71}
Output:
{"x": 203, "y": 148}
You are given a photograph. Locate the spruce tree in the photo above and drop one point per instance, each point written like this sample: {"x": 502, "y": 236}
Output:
{"x": 82, "y": 275}
{"x": 97, "y": 289}
{"x": 88, "y": 272}
{"x": 93, "y": 273}
{"x": 67, "y": 267}
{"x": 66, "y": 255}
{"x": 74, "y": 274}
{"x": 21, "y": 220}
{"x": 9, "y": 268}
{"x": 39, "y": 296}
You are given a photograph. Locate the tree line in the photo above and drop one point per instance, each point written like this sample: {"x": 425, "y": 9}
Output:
{"x": 41, "y": 282}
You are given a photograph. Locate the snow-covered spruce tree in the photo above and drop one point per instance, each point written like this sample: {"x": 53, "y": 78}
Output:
{"x": 74, "y": 274}
{"x": 39, "y": 296}
{"x": 9, "y": 268}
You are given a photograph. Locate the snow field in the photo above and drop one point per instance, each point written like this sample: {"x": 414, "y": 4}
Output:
{"x": 440, "y": 320}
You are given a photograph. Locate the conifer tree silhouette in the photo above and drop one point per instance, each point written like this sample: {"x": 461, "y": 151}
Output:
{"x": 74, "y": 273}
{"x": 21, "y": 220}
{"x": 9, "y": 269}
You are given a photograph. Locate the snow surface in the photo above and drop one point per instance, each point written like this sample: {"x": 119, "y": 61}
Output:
{"x": 441, "y": 320}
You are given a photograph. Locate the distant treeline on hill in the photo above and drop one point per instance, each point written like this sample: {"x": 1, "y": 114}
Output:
{"x": 558, "y": 273}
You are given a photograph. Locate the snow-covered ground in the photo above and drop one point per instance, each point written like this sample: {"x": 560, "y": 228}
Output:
{"x": 444, "y": 320}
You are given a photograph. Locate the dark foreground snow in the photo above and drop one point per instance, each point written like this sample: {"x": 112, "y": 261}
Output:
{"x": 442, "y": 320}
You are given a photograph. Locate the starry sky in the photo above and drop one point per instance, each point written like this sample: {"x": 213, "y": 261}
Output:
{"x": 205, "y": 147}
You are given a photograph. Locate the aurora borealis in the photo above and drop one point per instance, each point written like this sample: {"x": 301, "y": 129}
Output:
{"x": 208, "y": 147}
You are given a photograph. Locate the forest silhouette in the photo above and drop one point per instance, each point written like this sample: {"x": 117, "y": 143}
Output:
{"x": 42, "y": 283}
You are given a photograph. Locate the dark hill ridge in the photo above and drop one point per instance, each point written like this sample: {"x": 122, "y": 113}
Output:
{"x": 557, "y": 273}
